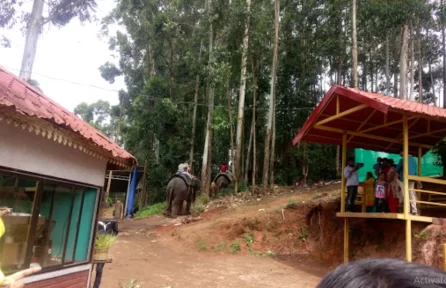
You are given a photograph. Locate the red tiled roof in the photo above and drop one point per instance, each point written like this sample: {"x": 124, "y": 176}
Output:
{"x": 422, "y": 119}
{"x": 25, "y": 99}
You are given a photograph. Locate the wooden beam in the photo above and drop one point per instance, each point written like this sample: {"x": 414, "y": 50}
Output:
{"x": 338, "y": 105}
{"x": 346, "y": 238}
{"x": 420, "y": 156}
{"x": 401, "y": 134}
{"x": 362, "y": 124}
{"x": 428, "y": 133}
{"x": 342, "y": 114}
{"x": 344, "y": 163}
{"x": 383, "y": 125}
{"x": 427, "y": 179}
{"x": 406, "y": 188}
{"x": 368, "y": 136}
{"x": 444, "y": 256}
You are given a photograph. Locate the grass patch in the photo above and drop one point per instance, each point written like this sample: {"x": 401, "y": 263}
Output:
{"x": 249, "y": 239}
{"x": 291, "y": 204}
{"x": 199, "y": 205}
{"x": 303, "y": 235}
{"x": 235, "y": 247}
{"x": 423, "y": 235}
{"x": 220, "y": 247}
{"x": 201, "y": 245}
{"x": 150, "y": 210}
{"x": 316, "y": 195}
{"x": 131, "y": 284}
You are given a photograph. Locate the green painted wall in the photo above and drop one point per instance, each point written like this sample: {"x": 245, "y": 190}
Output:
{"x": 368, "y": 157}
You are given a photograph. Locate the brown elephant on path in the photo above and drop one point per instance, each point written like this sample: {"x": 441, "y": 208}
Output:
{"x": 222, "y": 180}
{"x": 179, "y": 191}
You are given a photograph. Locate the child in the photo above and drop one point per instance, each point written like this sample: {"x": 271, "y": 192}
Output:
{"x": 369, "y": 197}
{"x": 380, "y": 193}
{"x": 393, "y": 191}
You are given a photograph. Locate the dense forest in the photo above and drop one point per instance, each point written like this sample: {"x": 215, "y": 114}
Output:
{"x": 205, "y": 76}
{"x": 208, "y": 77}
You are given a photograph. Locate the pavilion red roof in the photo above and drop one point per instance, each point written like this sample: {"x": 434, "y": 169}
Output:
{"x": 376, "y": 125}
{"x": 25, "y": 99}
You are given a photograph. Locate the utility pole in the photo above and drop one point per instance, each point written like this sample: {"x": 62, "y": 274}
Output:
{"x": 32, "y": 36}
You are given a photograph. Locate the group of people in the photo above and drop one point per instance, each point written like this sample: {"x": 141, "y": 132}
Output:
{"x": 383, "y": 188}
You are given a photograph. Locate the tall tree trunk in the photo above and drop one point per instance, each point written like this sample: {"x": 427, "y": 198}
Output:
{"x": 171, "y": 76}
{"x": 271, "y": 96}
{"x": 432, "y": 82}
{"x": 403, "y": 61}
{"x": 151, "y": 61}
{"x": 355, "y": 47}
{"x": 206, "y": 167}
{"x": 412, "y": 65}
{"x": 194, "y": 115}
{"x": 254, "y": 145}
{"x": 248, "y": 155}
{"x": 241, "y": 102}
{"x": 273, "y": 146}
{"x": 420, "y": 64}
{"x": 32, "y": 35}
{"x": 387, "y": 66}
{"x": 231, "y": 123}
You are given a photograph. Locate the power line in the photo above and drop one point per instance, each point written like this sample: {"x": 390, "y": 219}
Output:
{"x": 177, "y": 102}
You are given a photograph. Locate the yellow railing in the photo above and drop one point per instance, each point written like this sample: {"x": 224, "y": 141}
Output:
{"x": 436, "y": 198}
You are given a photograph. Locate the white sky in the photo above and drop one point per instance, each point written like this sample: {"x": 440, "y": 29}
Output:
{"x": 72, "y": 53}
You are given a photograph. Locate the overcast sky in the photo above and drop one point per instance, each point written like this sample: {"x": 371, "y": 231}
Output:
{"x": 72, "y": 53}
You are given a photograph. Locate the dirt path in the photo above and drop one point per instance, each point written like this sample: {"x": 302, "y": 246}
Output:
{"x": 147, "y": 252}
{"x": 154, "y": 265}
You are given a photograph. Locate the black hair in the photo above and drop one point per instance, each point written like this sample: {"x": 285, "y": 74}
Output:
{"x": 370, "y": 174}
{"x": 350, "y": 159}
{"x": 379, "y": 159}
{"x": 385, "y": 160}
{"x": 384, "y": 273}
{"x": 391, "y": 161}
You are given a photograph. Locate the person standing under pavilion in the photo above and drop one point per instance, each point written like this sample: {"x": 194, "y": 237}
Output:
{"x": 412, "y": 172}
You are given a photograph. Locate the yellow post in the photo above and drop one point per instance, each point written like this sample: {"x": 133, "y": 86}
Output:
{"x": 420, "y": 154}
{"x": 444, "y": 257}
{"x": 344, "y": 163}
{"x": 406, "y": 189}
{"x": 346, "y": 228}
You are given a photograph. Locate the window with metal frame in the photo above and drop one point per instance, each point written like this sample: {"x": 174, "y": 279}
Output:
{"x": 51, "y": 224}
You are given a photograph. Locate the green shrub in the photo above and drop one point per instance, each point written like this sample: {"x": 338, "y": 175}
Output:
{"x": 154, "y": 209}
{"x": 235, "y": 247}
{"x": 104, "y": 241}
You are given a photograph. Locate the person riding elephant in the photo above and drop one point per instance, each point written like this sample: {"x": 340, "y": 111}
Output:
{"x": 222, "y": 180}
{"x": 181, "y": 187}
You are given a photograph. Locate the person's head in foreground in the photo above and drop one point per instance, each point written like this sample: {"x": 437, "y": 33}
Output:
{"x": 384, "y": 273}
{"x": 351, "y": 162}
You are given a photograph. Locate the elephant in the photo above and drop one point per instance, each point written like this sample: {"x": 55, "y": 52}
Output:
{"x": 178, "y": 192}
{"x": 222, "y": 180}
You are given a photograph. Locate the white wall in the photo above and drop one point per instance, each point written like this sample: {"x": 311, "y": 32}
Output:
{"x": 23, "y": 150}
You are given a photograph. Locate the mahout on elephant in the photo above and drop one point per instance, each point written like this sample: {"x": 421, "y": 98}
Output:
{"x": 181, "y": 186}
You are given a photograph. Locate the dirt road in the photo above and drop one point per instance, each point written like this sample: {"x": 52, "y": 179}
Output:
{"x": 158, "y": 254}
{"x": 154, "y": 265}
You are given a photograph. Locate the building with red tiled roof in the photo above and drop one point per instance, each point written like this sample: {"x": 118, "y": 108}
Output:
{"x": 52, "y": 172}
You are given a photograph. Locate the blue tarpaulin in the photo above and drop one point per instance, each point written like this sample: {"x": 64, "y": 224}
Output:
{"x": 131, "y": 193}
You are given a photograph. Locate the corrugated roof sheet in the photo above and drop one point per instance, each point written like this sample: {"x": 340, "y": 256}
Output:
{"x": 25, "y": 99}
{"x": 397, "y": 103}
{"x": 427, "y": 123}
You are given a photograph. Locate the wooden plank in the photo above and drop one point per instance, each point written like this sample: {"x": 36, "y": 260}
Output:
{"x": 427, "y": 179}
{"x": 344, "y": 163}
{"x": 342, "y": 114}
{"x": 397, "y": 216}
{"x": 370, "y": 215}
{"x": 346, "y": 240}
